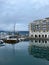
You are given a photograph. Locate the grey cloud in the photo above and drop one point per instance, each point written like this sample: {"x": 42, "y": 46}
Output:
{"x": 22, "y": 11}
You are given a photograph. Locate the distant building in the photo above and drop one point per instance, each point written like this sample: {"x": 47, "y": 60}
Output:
{"x": 39, "y": 28}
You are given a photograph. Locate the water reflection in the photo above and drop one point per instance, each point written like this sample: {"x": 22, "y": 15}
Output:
{"x": 39, "y": 49}
{"x": 40, "y": 43}
{"x": 13, "y": 47}
{"x": 2, "y": 45}
{"x": 11, "y": 43}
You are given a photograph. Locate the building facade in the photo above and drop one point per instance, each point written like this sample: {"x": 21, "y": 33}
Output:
{"x": 39, "y": 28}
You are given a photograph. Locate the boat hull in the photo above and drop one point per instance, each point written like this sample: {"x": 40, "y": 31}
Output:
{"x": 11, "y": 41}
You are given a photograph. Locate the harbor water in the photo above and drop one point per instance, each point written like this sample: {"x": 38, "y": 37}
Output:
{"x": 35, "y": 52}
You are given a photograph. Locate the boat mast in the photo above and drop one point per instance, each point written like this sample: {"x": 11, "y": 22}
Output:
{"x": 14, "y": 29}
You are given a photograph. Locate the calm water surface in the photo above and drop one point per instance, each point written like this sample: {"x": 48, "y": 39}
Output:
{"x": 25, "y": 53}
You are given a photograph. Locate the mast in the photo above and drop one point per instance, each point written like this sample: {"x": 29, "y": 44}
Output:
{"x": 14, "y": 29}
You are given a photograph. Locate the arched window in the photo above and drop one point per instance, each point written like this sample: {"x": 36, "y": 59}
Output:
{"x": 42, "y": 35}
{"x": 45, "y": 36}
{"x": 35, "y": 35}
{"x": 39, "y": 35}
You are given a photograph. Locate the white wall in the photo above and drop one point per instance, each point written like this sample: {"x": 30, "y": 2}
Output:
{"x": 39, "y": 33}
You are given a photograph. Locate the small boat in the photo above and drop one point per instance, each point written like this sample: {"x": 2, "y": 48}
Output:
{"x": 11, "y": 39}
{"x": 1, "y": 41}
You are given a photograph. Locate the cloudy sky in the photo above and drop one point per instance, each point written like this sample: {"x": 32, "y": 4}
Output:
{"x": 21, "y": 13}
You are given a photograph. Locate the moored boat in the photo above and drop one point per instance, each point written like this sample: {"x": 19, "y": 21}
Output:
{"x": 1, "y": 41}
{"x": 11, "y": 39}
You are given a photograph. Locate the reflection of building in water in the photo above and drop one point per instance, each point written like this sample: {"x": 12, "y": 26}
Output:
{"x": 39, "y": 52}
{"x": 39, "y": 28}
{"x": 40, "y": 43}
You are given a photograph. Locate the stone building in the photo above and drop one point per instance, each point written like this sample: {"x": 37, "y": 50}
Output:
{"x": 39, "y": 28}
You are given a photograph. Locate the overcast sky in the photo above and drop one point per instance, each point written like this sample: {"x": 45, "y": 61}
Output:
{"x": 21, "y": 13}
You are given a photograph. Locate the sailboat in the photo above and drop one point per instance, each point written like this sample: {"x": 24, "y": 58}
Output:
{"x": 11, "y": 38}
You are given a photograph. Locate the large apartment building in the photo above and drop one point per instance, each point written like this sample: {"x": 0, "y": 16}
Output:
{"x": 39, "y": 28}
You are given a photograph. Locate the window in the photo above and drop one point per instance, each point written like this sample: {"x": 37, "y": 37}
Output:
{"x": 42, "y": 35}
{"x": 34, "y": 30}
{"x": 35, "y": 35}
{"x": 45, "y": 36}
{"x": 39, "y": 35}
{"x": 31, "y": 35}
